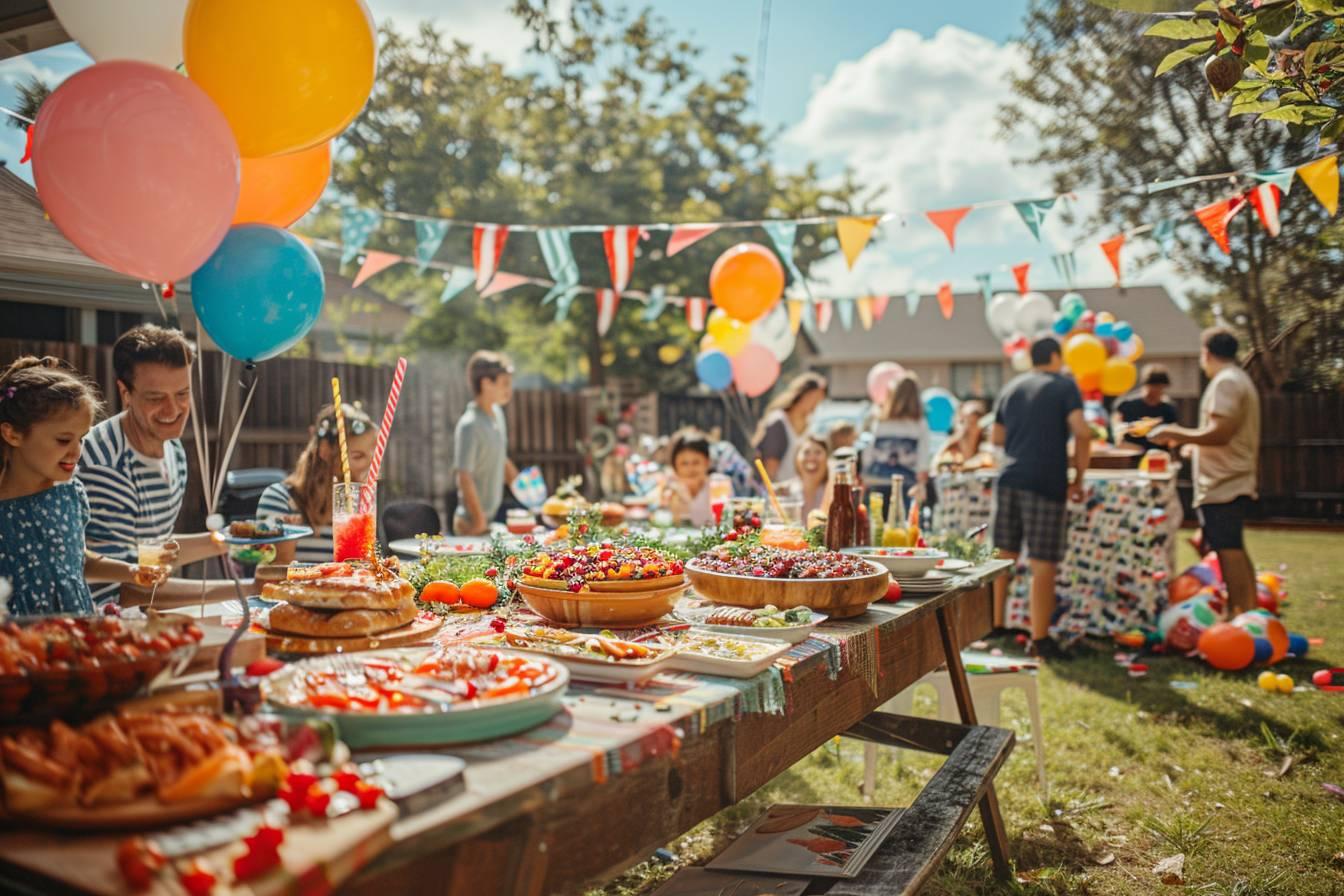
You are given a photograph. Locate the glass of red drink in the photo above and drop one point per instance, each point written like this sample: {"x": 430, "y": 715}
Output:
{"x": 354, "y": 520}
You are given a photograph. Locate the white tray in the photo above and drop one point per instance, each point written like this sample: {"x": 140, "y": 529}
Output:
{"x": 687, "y": 661}
{"x": 583, "y": 668}
{"x": 791, "y": 634}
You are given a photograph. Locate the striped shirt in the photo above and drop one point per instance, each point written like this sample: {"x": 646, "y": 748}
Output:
{"x": 132, "y": 497}
{"x": 276, "y": 502}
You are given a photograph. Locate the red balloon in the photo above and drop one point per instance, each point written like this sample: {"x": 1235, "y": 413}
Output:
{"x": 755, "y": 370}
{"x": 1227, "y": 647}
{"x": 1182, "y": 588}
{"x": 746, "y": 281}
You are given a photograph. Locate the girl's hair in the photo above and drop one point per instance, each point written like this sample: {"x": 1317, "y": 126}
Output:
{"x": 903, "y": 401}
{"x": 310, "y": 483}
{"x": 785, "y": 401}
{"x": 34, "y": 389}
{"x": 689, "y": 439}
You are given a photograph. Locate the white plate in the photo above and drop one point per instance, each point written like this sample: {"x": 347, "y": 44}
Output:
{"x": 951, "y": 564}
{"x": 900, "y": 561}
{"x": 686, "y": 660}
{"x": 931, "y": 576}
{"x": 792, "y": 634}
{"x": 587, "y": 669}
{"x": 291, "y": 533}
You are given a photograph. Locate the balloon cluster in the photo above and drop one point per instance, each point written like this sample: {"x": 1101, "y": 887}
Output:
{"x": 748, "y": 334}
{"x": 161, "y": 176}
{"x": 940, "y": 405}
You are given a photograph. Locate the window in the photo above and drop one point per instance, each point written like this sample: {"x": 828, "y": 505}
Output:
{"x": 977, "y": 380}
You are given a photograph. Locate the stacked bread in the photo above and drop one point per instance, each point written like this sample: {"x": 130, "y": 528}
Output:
{"x": 340, "y": 600}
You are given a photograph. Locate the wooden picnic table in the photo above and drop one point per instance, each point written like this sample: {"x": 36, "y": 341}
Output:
{"x": 624, "y": 771}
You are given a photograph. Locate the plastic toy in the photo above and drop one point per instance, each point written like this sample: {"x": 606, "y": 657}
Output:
{"x": 1284, "y": 682}
{"x": 1263, "y": 625}
{"x": 1227, "y": 647}
{"x": 1268, "y": 681}
{"x": 1329, "y": 679}
{"x": 1181, "y": 625}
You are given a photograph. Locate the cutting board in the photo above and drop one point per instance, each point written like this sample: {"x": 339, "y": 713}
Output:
{"x": 418, "y": 631}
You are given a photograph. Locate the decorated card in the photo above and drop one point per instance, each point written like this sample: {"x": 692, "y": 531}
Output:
{"x": 816, "y": 841}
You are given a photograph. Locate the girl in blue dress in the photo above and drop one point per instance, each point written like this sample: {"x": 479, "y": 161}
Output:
{"x": 45, "y": 410}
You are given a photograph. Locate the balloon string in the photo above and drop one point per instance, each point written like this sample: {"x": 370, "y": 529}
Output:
{"x": 237, "y": 428}
{"x": 202, "y": 452}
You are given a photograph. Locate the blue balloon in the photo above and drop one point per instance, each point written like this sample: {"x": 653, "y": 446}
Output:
{"x": 259, "y": 293}
{"x": 939, "y": 408}
{"x": 1298, "y": 645}
{"x": 714, "y": 368}
{"x": 1062, "y": 326}
{"x": 1104, "y": 330}
{"x": 1263, "y": 650}
{"x": 1123, "y": 331}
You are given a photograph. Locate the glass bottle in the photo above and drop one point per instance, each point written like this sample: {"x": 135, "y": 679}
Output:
{"x": 841, "y": 518}
{"x": 875, "y": 518}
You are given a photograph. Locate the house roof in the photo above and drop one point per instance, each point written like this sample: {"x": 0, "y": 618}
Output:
{"x": 1166, "y": 329}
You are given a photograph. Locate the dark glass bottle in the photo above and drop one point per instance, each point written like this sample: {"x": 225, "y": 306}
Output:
{"x": 841, "y": 518}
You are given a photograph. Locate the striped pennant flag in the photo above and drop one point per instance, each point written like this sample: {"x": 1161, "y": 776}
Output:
{"x": 1265, "y": 199}
{"x": 559, "y": 258}
{"x": 487, "y": 245}
{"x": 696, "y": 311}
{"x": 607, "y": 302}
{"x": 1066, "y": 265}
{"x": 619, "y": 243}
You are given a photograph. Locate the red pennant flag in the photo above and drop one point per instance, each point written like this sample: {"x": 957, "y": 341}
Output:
{"x": 503, "y": 280}
{"x": 824, "y": 311}
{"x": 945, "y": 299}
{"x": 1216, "y": 216}
{"x": 28, "y": 146}
{"x": 696, "y": 309}
{"x": 947, "y": 221}
{"x": 1020, "y": 275}
{"x": 619, "y": 243}
{"x": 880, "y": 306}
{"x": 374, "y": 262}
{"x": 487, "y": 245}
{"x": 1266, "y": 199}
{"x": 684, "y": 236}
{"x": 607, "y": 302}
{"x": 1112, "y": 249}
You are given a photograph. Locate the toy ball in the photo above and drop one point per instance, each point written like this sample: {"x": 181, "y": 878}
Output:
{"x": 1204, "y": 573}
{"x": 1268, "y": 681}
{"x": 1134, "y": 638}
{"x": 1273, "y": 581}
{"x": 1298, "y": 645}
{"x": 1263, "y": 650}
{"x": 1182, "y": 588}
{"x": 1262, "y": 625}
{"x": 1266, "y": 599}
{"x": 1227, "y": 647}
{"x": 1285, "y": 683}
{"x": 1181, "y": 625}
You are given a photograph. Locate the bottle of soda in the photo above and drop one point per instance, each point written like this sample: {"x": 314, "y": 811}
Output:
{"x": 841, "y": 518}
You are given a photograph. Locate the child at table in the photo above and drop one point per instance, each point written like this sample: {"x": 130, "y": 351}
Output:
{"x": 686, "y": 491}
{"x": 45, "y": 411}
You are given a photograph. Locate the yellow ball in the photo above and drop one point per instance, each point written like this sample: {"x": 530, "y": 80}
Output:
{"x": 1268, "y": 681}
{"x": 1285, "y": 683}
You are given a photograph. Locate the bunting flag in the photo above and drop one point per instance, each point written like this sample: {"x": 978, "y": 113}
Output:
{"x": 487, "y": 245}
{"x": 657, "y": 302}
{"x": 373, "y": 263}
{"x": 559, "y": 258}
{"x": 502, "y": 281}
{"x": 823, "y": 313}
{"x": 945, "y": 299}
{"x": 454, "y": 281}
{"x": 1216, "y": 216}
{"x": 986, "y": 291}
{"x": 1020, "y": 275}
{"x": 854, "y": 234}
{"x": 1164, "y": 234}
{"x": 357, "y": 224}
{"x": 428, "y": 238}
{"x": 947, "y": 221}
{"x": 697, "y": 309}
{"x": 864, "y": 305}
{"x": 880, "y": 306}
{"x": 783, "y": 234}
{"x": 607, "y": 302}
{"x": 1266, "y": 200}
{"x": 1066, "y": 265}
{"x": 911, "y": 302}
{"x": 684, "y": 236}
{"x": 845, "y": 308}
{"x": 1034, "y": 213}
{"x": 1111, "y": 248}
{"x": 563, "y": 301}
{"x": 795, "y": 314}
{"x": 1282, "y": 178}
{"x": 619, "y": 243}
{"x": 1161, "y": 185}
{"x": 1322, "y": 179}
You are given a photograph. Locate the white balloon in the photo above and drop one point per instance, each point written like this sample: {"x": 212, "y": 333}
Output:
{"x": 773, "y": 332}
{"x": 1021, "y": 360}
{"x": 1034, "y": 315}
{"x": 1001, "y": 314}
{"x": 147, "y": 30}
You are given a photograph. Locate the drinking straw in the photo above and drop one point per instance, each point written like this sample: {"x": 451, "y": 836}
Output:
{"x": 770, "y": 490}
{"x": 340, "y": 428}
{"x": 388, "y": 413}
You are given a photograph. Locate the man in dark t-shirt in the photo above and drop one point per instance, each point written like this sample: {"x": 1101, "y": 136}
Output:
{"x": 1034, "y": 418}
{"x": 1149, "y": 407}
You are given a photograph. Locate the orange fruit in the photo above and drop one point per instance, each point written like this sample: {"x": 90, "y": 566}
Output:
{"x": 480, "y": 593}
{"x": 439, "y": 593}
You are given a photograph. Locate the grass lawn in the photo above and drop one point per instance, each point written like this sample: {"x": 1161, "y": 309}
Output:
{"x": 1138, "y": 770}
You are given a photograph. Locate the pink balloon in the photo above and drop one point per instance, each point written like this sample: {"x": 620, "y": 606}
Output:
{"x": 137, "y": 167}
{"x": 882, "y": 379}
{"x": 755, "y": 370}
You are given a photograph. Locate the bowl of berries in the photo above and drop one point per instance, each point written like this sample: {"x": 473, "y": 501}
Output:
{"x": 602, "y": 584}
{"x": 837, "y": 584}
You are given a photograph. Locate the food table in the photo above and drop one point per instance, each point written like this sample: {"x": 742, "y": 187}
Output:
{"x": 621, "y": 772}
{"x": 1120, "y": 541}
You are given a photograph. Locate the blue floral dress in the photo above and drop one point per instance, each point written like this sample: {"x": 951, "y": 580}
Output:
{"x": 42, "y": 551}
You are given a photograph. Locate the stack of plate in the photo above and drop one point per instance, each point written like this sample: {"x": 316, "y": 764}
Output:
{"x": 932, "y": 582}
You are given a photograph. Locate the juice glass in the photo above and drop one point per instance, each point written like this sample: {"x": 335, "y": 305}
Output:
{"x": 354, "y": 514}
{"x": 150, "y": 553}
{"x": 720, "y": 493}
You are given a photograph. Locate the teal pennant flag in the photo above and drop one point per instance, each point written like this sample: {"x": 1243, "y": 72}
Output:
{"x": 911, "y": 302}
{"x": 985, "y": 289}
{"x": 1034, "y": 213}
{"x": 657, "y": 302}
{"x": 1173, "y": 183}
{"x": 1164, "y": 233}
{"x": 845, "y": 309}
{"x": 1066, "y": 265}
{"x": 454, "y": 281}
{"x": 1283, "y": 178}
{"x": 357, "y": 225}
{"x": 428, "y": 238}
{"x": 783, "y": 234}
{"x": 563, "y": 302}
{"x": 559, "y": 258}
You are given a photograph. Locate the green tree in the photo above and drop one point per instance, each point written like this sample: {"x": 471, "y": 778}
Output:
{"x": 1089, "y": 95}
{"x": 616, "y": 126}
{"x": 32, "y": 91}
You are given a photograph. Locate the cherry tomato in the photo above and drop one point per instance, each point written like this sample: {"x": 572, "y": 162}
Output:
{"x": 160, "y": 644}
{"x": 893, "y": 591}
{"x": 263, "y": 667}
{"x": 196, "y": 880}
{"x": 316, "y": 800}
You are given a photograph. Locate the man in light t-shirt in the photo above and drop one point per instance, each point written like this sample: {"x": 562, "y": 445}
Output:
{"x": 1226, "y": 452}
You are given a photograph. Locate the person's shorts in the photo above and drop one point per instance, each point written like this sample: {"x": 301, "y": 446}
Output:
{"x": 1222, "y": 524}
{"x": 1020, "y": 515}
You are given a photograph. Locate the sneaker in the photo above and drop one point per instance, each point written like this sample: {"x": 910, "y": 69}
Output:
{"x": 1048, "y": 649}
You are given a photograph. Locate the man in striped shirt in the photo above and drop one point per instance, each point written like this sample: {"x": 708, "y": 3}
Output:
{"x": 134, "y": 468}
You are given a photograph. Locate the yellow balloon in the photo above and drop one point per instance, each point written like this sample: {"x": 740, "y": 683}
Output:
{"x": 730, "y": 336}
{"x": 1085, "y": 355}
{"x": 1118, "y": 376}
{"x": 670, "y": 354}
{"x": 287, "y": 74}
{"x": 1138, "y": 348}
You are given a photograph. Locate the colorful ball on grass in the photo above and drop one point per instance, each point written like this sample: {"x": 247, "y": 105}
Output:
{"x": 1261, "y": 625}
{"x": 1263, "y": 650}
{"x": 1204, "y": 573}
{"x": 1267, "y": 681}
{"x": 1181, "y": 625}
{"x": 1273, "y": 581}
{"x": 1298, "y": 645}
{"x": 1284, "y": 682}
{"x": 1212, "y": 562}
{"x": 1182, "y": 588}
{"x": 1265, "y": 598}
{"x": 1226, "y": 647}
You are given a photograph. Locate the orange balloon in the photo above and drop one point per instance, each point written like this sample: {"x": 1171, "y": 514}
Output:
{"x": 279, "y": 190}
{"x": 746, "y": 281}
{"x": 1089, "y": 382}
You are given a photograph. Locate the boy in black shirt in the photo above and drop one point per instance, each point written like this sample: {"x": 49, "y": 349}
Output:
{"x": 1149, "y": 404}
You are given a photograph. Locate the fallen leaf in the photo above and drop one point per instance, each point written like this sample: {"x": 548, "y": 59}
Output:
{"x": 1171, "y": 869}
{"x": 1334, "y": 790}
{"x": 1286, "y": 767}
{"x": 1106, "y": 859}
{"x": 1047, "y": 829}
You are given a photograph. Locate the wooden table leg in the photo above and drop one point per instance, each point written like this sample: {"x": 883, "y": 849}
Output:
{"x": 990, "y": 816}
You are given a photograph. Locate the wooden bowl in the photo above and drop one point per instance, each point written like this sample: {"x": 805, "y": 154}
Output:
{"x": 608, "y": 610}
{"x": 620, "y": 586}
{"x": 837, "y": 598}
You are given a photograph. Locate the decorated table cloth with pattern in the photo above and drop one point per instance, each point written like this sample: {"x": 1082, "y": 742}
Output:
{"x": 1114, "y": 576}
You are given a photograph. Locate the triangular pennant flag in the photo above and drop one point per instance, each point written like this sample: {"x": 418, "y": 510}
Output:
{"x": 1282, "y": 178}
{"x": 945, "y": 299}
{"x": 1215, "y": 217}
{"x": 880, "y": 306}
{"x": 795, "y": 314}
{"x": 357, "y": 224}
{"x": 1066, "y": 265}
{"x": 823, "y": 311}
{"x": 487, "y": 245}
{"x": 1164, "y": 234}
{"x": 684, "y": 236}
{"x": 911, "y": 302}
{"x": 1322, "y": 179}
{"x": 563, "y": 302}
{"x": 697, "y": 309}
{"x": 947, "y": 220}
{"x": 502, "y": 281}
{"x": 373, "y": 263}
{"x": 986, "y": 291}
{"x": 1161, "y": 185}
{"x": 845, "y": 308}
{"x": 559, "y": 258}
{"x": 783, "y": 234}
{"x": 1111, "y": 248}
{"x": 607, "y": 302}
{"x": 1266, "y": 199}
{"x": 428, "y": 238}
{"x": 454, "y": 281}
{"x": 864, "y": 305}
{"x": 619, "y": 244}
{"x": 1020, "y": 275}
{"x": 657, "y": 302}
{"x": 1034, "y": 212}
{"x": 854, "y": 234}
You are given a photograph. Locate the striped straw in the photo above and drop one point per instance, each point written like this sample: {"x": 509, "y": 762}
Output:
{"x": 383, "y": 431}
{"x": 340, "y": 427}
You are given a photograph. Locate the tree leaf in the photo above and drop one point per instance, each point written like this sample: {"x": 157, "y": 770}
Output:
{"x": 1253, "y": 107}
{"x": 1184, "y": 54}
{"x": 1317, "y": 113}
{"x": 1257, "y": 52}
{"x": 1274, "y": 20}
{"x": 1333, "y": 132}
{"x": 1181, "y": 29}
{"x": 1206, "y": 6}
{"x": 1321, "y": 7}
{"x": 1291, "y": 114}
{"x": 1251, "y": 87}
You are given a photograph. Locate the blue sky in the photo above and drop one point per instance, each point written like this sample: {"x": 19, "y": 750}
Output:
{"x": 903, "y": 93}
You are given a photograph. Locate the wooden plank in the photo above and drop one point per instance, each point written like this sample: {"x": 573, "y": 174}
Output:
{"x": 909, "y": 732}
